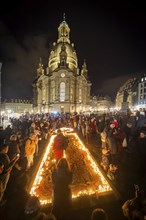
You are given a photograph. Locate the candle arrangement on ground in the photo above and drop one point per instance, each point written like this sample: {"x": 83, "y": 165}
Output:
{"x": 87, "y": 177}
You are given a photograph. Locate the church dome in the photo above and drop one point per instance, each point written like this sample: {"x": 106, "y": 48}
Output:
{"x": 63, "y": 39}
{"x": 54, "y": 58}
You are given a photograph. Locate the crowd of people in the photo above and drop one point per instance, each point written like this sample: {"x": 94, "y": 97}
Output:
{"x": 118, "y": 136}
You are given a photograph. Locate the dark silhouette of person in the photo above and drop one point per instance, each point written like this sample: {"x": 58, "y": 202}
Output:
{"x": 17, "y": 199}
{"x": 99, "y": 214}
{"x": 62, "y": 199}
{"x": 33, "y": 210}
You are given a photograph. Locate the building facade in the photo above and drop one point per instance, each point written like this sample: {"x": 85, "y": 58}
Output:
{"x": 142, "y": 92}
{"x": 101, "y": 104}
{"x": 132, "y": 94}
{"x": 61, "y": 86}
{"x": 15, "y": 106}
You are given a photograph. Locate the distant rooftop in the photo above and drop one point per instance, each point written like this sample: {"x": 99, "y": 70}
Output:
{"x": 26, "y": 101}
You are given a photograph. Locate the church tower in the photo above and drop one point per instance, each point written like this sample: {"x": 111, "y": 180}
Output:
{"x": 62, "y": 87}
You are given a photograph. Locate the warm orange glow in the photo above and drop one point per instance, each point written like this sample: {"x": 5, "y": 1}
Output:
{"x": 88, "y": 179}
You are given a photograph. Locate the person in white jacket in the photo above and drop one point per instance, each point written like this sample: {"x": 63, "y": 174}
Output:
{"x": 30, "y": 148}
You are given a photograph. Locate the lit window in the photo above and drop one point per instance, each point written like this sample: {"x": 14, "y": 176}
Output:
{"x": 80, "y": 95}
{"x": 62, "y": 91}
{"x": 71, "y": 94}
{"x": 53, "y": 90}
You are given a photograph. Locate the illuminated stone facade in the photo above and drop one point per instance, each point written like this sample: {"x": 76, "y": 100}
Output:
{"x": 62, "y": 87}
{"x": 10, "y": 107}
{"x": 100, "y": 103}
{"x": 142, "y": 92}
{"x": 132, "y": 93}
{"x": 124, "y": 98}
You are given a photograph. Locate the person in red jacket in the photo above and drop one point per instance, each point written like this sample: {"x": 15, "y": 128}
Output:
{"x": 59, "y": 145}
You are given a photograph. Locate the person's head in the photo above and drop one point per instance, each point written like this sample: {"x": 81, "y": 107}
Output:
{"x": 112, "y": 125}
{"x": 41, "y": 124}
{"x": 59, "y": 131}
{"x": 105, "y": 150}
{"x": 63, "y": 163}
{"x": 32, "y": 136}
{"x": 33, "y": 125}
{"x": 36, "y": 132}
{"x": 143, "y": 134}
{"x": 32, "y": 207}
{"x": 13, "y": 137}
{"x": 113, "y": 167}
{"x": 129, "y": 124}
{"x": 99, "y": 214}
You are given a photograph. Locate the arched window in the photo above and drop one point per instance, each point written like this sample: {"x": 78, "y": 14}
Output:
{"x": 53, "y": 90}
{"x": 62, "y": 91}
{"x": 80, "y": 95}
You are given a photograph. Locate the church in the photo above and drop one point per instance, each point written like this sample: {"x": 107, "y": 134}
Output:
{"x": 62, "y": 86}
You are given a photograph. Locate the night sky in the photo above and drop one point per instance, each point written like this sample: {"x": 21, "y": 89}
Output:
{"x": 109, "y": 35}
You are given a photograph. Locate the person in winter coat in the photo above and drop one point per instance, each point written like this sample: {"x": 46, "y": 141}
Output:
{"x": 112, "y": 173}
{"x": 17, "y": 199}
{"x": 135, "y": 208}
{"x": 141, "y": 150}
{"x": 8, "y": 165}
{"x": 59, "y": 145}
{"x": 1, "y": 181}
{"x": 62, "y": 177}
{"x": 30, "y": 148}
{"x": 105, "y": 159}
{"x": 112, "y": 141}
{"x": 14, "y": 149}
